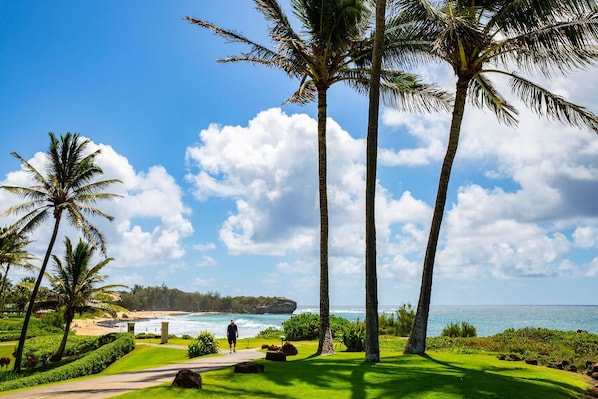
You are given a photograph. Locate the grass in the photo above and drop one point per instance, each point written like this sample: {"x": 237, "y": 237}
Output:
{"x": 443, "y": 375}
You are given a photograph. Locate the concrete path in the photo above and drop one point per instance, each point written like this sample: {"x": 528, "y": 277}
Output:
{"x": 112, "y": 385}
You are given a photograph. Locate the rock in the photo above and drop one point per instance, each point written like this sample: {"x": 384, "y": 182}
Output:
{"x": 187, "y": 378}
{"x": 280, "y": 306}
{"x": 276, "y": 356}
{"x": 265, "y": 346}
{"x": 533, "y": 362}
{"x": 249, "y": 367}
{"x": 289, "y": 349}
{"x": 274, "y": 348}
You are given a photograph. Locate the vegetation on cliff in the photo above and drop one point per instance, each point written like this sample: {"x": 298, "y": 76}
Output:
{"x": 163, "y": 298}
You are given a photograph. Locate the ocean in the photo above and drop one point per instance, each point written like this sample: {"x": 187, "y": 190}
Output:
{"x": 487, "y": 319}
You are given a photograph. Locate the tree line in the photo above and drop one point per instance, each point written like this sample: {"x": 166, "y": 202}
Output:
{"x": 162, "y": 298}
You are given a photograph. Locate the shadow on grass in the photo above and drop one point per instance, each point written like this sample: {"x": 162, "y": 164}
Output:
{"x": 408, "y": 376}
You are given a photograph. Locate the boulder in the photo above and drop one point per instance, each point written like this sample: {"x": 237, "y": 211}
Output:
{"x": 249, "y": 367}
{"x": 533, "y": 362}
{"x": 289, "y": 349}
{"x": 187, "y": 378}
{"x": 276, "y": 356}
{"x": 279, "y": 306}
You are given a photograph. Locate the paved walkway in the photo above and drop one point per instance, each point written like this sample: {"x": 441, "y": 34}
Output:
{"x": 112, "y": 385}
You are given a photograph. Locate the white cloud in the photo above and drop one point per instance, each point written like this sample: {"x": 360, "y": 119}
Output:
{"x": 150, "y": 220}
{"x": 586, "y": 236}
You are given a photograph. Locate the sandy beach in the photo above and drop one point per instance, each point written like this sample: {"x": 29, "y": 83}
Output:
{"x": 101, "y": 326}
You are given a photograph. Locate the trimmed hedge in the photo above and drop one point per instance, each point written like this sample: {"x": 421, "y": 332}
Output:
{"x": 92, "y": 363}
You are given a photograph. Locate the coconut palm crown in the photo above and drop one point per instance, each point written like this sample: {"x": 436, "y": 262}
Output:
{"x": 507, "y": 38}
{"x": 76, "y": 285}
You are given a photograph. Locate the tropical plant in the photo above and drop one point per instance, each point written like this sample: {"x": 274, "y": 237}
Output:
{"x": 204, "y": 344}
{"x": 463, "y": 329}
{"x": 75, "y": 282}
{"x": 479, "y": 38}
{"x": 332, "y": 47}
{"x": 12, "y": 253}
{"x": 68, "y": 187}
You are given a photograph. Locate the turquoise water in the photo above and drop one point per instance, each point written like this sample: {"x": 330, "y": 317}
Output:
{"x": 488, "y": 320}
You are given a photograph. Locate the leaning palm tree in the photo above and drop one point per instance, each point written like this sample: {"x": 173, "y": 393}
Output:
{"x": 480, "y": 38}
{"x": 13, "y": 253}
{"x": 68, "y": 188}
{"x": 75, "y": 284}
{"x": 334, "y": 47}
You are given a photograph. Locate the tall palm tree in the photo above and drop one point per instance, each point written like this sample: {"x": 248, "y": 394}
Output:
{"x": 12, "y": 253}
{"x": 75, "y": 284}
{"x": 334, "y": 47}
{"x": 68, "y": 188}
{"x": 480, "y": 38}
{"x": 372, "y": 344}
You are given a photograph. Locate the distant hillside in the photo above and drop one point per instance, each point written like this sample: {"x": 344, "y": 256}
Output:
{"x": 164, "y": 299}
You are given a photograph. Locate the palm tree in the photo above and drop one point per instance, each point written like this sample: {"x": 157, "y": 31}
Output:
{"x": 372, "y": 344}
{"x": 480, "y": 38}
{"x": 12, "y": 253}
{"x": 333, "y": 49}
{"x": 75, "y": 284}
{"x": 67, "y": 188}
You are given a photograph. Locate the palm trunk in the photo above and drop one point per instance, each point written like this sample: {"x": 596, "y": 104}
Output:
{"x": 325, "y": 343}
{"x": 68, "y": 318}
{"x": 417, "y": 338}
{"x": 40, "y": 277}
{"x": 3, "y": 286}
{"x": 372, "y": 345}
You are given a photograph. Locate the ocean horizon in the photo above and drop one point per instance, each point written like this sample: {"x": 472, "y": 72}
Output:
{"x": 487, "y": 319}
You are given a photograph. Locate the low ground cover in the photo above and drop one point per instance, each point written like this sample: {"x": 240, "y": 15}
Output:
{"x": 439, "y": 374}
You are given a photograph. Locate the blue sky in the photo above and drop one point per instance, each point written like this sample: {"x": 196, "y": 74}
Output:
{"x": 220, "y": 178}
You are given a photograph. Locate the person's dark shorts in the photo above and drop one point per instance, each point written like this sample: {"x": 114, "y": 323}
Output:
{"x": 232, "y": 340}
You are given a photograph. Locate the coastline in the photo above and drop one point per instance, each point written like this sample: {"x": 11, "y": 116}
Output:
{"x": 105, "y": 325}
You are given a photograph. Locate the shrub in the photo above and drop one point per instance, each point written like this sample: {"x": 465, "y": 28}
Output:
{"x": 92, "y": 363}
{"x": 354, "y": 337}
{"x": 205, "y": 344}
{"x": 38, "y": 350}
{"x": 306, "y": 326}
{"x": 402, "y": 325}
{"x": 459, "y": 330}
{"x": 270, "y": 333}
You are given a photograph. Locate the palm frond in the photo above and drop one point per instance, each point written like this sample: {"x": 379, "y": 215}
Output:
{"x": 482, "y": 94}
{"x": 550, "y": 105}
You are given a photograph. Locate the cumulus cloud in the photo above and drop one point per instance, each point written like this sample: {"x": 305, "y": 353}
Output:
{"x": 269, "y": 169}
{"x": 534, "y": 202}
{"x": 150, "y": 219}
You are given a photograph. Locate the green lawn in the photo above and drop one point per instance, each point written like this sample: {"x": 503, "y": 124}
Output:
{"x": 443, "y": 375}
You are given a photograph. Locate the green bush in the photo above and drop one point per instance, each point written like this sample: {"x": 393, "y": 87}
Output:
{"x": 38, "y": 350}
{"x": 354, "y": 337}
{"x": 306, "y": 326}
{"x": 10, "y": 328}
{"x": 92, "y": 363}
{"x": 205, "y": 344}
{"x": 459, "y": 330}
{"x": 401, "y": 327}
{"x": 270, "y": 333}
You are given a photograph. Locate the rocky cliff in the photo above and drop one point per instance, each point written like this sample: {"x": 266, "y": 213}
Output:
{"x": 280, "y": 306}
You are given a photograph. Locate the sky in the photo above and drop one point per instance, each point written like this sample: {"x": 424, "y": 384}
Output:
{"x": 219, "y": 175}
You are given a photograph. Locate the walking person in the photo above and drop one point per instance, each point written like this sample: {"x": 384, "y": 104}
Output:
{"x": 232, "y": 333}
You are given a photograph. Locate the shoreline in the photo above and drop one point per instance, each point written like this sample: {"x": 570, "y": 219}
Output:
{"x": 106, "y": 325}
